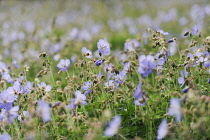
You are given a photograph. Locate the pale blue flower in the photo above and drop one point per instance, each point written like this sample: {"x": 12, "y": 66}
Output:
{"x": 103, "y": 47}
{"x": 63, "y": 65}
{"x": 162, "y": 130}
{"x": 175, "y": 109}
{"x": 113, "y": 126}
{"x": 87, "y": 53}
{"x": 43, "y": 110}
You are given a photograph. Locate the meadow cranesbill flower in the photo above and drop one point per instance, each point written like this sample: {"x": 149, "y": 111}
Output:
{"x": 209, "y": 80}
{"x": 162, "y": 57}
{"x": 207, "y": 63}
{"x": 7, "y": 78}
{"x": 87, "y": 53}
{"x": 184, "y": 73}
{"x": 28, "y": 87}
{"x": 108, "y": 68}
{"x": 146, "y": 65}
{"x": 103, "y": 47}
{"x": 6, "y": 100}
{"x": 79, "y": 99}
{"x": 5, "y": 137}
{"x": 139, "y": 96}
{"x": 3, "y": 68}
{"x": 99, "y": 62}
{"x": 113, "y": 126}
{"x": 119, "y": 78}
{"x": 162, "y": 130}
{"x": 63, "y": 65}
{"x": 43, "y": 110}
{"x": 194, "y": 30}
{"x": 162, "y": 32}
{"x": 12, "y": 113}
{"x": 87, "y": 87}
{"x": 175, "y": 109}
{"x": 126, "y": 66}
{"x": 24, "y": 117}
{"x": 14, "y": 62}
{"x": 42, "y": 86}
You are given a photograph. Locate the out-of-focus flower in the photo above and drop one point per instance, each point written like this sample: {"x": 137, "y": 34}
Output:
{"x": 7, "y": 78}
{"x": 43, "y": 110}
{"x": 162, "y": 32}
{"x": 99, "y": 62}
{"x": 14, "y": 62}
{"x": 113, "y": 126}
{"x": 119, "y": 78}
{"x": 42, "y": 86}
{"x": 111, "y": 84}
{"x": 6, "y": 100}
{"x": 108, "y": 68}
{"x": 126, "y": 66}
{"x": 194, "y": 30}
{"x": 103, "y": 47}
{"x": 209, "y": 80}
{"x": 87, "y": 53}
{"x": 162, "y": 130}
{"x": 79, "y": 99}
{"x": 130, "y": 45}
{"x": 162, "y": 57}
{"x": 63, "y": 65}
{"x": 24, "y": 117}
{"x": 146, "y": 65}
{"x": 12, "y": 113}
{"x": 87, "y": 87}
{"x": 139, "y": 96}
{"x": 175, "y": 109}
{"x": 28, "y": 87}
{"x": 3, "y": 68}
{"x": 5, "y": 137}
{"x": 183, "y": 74}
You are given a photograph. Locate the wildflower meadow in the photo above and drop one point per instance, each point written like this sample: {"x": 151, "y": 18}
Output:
{"x": 104, "y": 70}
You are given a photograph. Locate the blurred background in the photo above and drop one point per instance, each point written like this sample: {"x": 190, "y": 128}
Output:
{"x": 62, "y": 27}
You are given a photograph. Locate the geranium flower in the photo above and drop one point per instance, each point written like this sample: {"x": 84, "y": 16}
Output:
{"x": 63, "y": 65}
{"x": 103, "y": 47}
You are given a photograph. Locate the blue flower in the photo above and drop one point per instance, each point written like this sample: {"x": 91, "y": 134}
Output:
{"x": 6, "y": 100}
{"x": 162, "y": 32}
{"x": 43, "y": 110}
{"x": 113, "y": 126}
{"x": 10, "y": 114}
{"x": 209, "y": 80}
{"x": 87, "y": 53}
{"x": 119, "y": 78}
{"x": 162, "y": 130}
{"x": 130, "y": 45}
{"x": 99, "y": 62}
{"x": 194, "y": 30}
{"x": 103, "y": 47}
{"x": 162, "y": 57}
{"x": 7, "y": 78}
{"x": 28, "y": 87}
{"x": 87, "y": 87}
{"x": 146, "y": 65}
{"x": 140, "y": 98}
{"x": 42, "y": 86}
{"x": 184, "y": 73}
{"x": 5, "y": 137}
{"x": 175, "y": 109}
{"x": 63, "y": 65}
{"x": 79, "y": 99}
